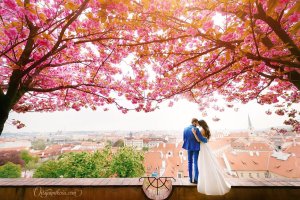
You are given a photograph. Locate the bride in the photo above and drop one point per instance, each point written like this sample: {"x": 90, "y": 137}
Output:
{"x": 211, "y": 180}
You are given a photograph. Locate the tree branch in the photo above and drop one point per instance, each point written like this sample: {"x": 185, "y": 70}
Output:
{"x": 58, "y": 42}
{"x": 209, "y": 75}
{"x": 280, "y": 32}
{"x": 261, "y": 58}
{"x": 63, "y": 87}
{"x": 103, "y": 62}
{"x": 268, "y": 76}
{"x": 65, "y": 63}
{"x": 196, "y": 56}
{"x": 24, "y": 58}
{"x": 262, "y": 89}
{"x": 252, "y": 29}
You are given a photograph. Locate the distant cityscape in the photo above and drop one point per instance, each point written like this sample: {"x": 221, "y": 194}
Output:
{"x": 241, "y": 154}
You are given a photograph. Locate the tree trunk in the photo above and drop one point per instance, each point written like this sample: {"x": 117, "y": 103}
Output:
{"x": 4, "y": 111}
{"x": 12, "y": 96}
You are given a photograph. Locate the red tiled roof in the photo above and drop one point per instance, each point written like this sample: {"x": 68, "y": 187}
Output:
{"x": 238, "y": 134}
{"x": 153, "y": 159}
{"x": 152, "y": 162}
{"x": 293, "y": 149}
{"x": 86, "y": 143}
{"x": 78, "y": 150}
{"x": 259, "y": 146}
{"x": 289, "y": 168}
{"x": 243, "y": 161}
{"x": 167, "y": 147}
{"x": 8, "y": 139}
{"x": 146, "y": 140}
{"x": 52, "y": 150}
{"x": 14, "y": 148}
{"x": 251, "y": 144}
{"x": 174, "y": 165}
{"x": 217, "y": 144}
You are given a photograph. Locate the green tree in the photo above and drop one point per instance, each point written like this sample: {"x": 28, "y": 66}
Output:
{"x": 109, "y": 144}
{"x": 30, "y": 161}
{"x": 104, "y": 161}
{"x": 25, "y": 155}
{"x": 31, "y": 165}
{"x": 49, "y": 169}
{"x": 10, "y": 170}
{"x": 38, "y": 144}
{"x": 119, "y": 143}
{"x": 128, "y": 162}
{"x": 77, "y": 165}
{"x": 81, "y": 165}
{"x": 145, "y": 149}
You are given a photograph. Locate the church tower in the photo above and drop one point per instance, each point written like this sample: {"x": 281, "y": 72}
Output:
{"x": 250, "y": 127}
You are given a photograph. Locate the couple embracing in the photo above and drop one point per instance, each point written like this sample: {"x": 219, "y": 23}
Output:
{"x": 203, "y": 167}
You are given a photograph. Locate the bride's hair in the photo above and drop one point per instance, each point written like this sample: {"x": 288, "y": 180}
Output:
{"x": 204, "y": 125}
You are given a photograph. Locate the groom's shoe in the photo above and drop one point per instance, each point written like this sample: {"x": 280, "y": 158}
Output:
{"x": 196, "y": 182}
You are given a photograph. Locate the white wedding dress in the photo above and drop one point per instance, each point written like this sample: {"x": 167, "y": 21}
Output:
{"x": 211, "y": 180}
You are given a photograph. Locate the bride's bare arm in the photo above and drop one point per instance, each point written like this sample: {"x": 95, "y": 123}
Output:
{"x": 194, "y": 132}
{"x": 204, "y": 133}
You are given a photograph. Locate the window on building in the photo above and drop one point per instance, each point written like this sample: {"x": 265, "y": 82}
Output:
{"x": 266, "y": 175}
{"x": 179, "y": 175}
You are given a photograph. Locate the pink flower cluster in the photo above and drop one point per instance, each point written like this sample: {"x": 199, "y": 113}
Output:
{"x": 18, "y": 124}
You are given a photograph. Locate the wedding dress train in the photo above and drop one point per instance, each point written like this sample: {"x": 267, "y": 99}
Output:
{"x": 211, "y": 180}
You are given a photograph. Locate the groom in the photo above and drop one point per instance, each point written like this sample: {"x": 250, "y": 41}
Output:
{"x": 193, "y": 147}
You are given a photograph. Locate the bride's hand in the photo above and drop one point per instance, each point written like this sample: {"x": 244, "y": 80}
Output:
{"x": 195, "y": 134}
{"x": 194, "y": 131}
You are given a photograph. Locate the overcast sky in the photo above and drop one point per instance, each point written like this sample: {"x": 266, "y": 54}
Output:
{"x": 166, "y": 118}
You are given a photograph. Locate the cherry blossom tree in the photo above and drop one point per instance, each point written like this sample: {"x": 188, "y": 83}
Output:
{"x": 57, "y": 55}
{"x": 62, "y": 54}
{"x": 253, "y": 54}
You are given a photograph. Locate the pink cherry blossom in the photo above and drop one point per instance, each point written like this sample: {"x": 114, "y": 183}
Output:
{"x": 11, "y": 4}
{"x": 136, "y": 56}
{"x": 216, "y": 119}
{"x": 11, "y": 33}
{"x": 294, "y": 18}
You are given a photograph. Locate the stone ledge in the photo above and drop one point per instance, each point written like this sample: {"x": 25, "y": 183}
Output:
{"x": 136, "y": 182}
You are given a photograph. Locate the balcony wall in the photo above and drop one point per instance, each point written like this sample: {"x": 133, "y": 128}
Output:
{"x": 131, "y": 189}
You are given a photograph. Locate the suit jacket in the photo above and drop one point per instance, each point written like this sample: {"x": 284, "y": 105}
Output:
{"x": 189, "y": 141}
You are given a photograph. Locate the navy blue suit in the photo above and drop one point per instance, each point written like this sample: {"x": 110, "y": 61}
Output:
{"x": 193, "y": 147}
